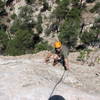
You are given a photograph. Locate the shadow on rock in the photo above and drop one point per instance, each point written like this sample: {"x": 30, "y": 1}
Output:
{"x": 56, "y": 97}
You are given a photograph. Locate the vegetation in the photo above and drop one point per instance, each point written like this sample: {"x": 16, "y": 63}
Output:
{"x": 96, "y": 8}
{"x": 42, "y": 46}
{"x": 88, "y": 37}
{"x": 84, "y": 55}
{"x": 13, "y": 16}
{"x": 69, "y": 33}
{"x": 90, "y": 1}
{"x": 47, "y": 32}
{"x": 3, "y": 41}
{"x": 20, "y": 43}
{"x": 45, "y": 6}
{"x": 70, "y": 29}
{"x": 30, "y": 1}
{"x": 38, "y": 24}
{"x": 24, "y": 20}
{"x": 20, "y": 37}
{"x": 2, "y": 4}
{"x": 62, "y": 10}
{"x": 23, "y": 40}
{"x": 26, "y": 12}
{"x": 39, "y": 28}
{"x": 92, "y": 37}
{"x": 2, "y": 9}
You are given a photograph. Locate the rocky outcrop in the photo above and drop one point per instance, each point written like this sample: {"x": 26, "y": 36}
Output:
{"x": 28, "y": 77}
{"x": 88, "y": 18}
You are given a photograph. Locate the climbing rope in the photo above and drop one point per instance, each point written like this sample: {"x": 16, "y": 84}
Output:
{"x": 57, "y": 83}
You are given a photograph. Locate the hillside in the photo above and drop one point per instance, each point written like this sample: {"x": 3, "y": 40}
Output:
{"x": 28, "y": 30}
{"x": 35, "y": 24}
{"x": 28, "y": 77}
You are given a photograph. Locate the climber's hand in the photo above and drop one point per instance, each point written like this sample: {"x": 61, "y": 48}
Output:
{"x": 47, "y": 60}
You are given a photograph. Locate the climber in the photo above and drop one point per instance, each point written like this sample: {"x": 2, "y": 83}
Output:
{"x": 59, "y": 56}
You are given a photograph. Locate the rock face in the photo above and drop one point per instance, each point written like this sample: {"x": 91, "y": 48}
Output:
{"x": 15, "y": 7}
{"x": 28, "y": 77}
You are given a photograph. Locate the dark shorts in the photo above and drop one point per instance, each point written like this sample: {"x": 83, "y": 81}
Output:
{"x": 61, "y": 60}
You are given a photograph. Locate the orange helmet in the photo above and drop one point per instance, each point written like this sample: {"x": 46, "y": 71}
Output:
{"x": 57, "y": 44}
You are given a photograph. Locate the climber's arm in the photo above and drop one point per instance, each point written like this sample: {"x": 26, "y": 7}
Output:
{"x": 67, "y": 63}
{"x": 48, "y": 57}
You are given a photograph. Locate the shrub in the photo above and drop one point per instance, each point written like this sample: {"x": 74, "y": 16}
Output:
{"x": 61, "y": 11}
{"x": 88, "y": 37}
{"x": 81, "y": 57}
{"x": 26, "y": 12}
{"x": 16, "y": 26}
{"x": 76, "y": 4}
{"x": 38, "y": 25}
{"x": 21, "y": 43}
{"x": 96, "y": 8}
{"x": 47, "y": 32}
{"x": 57, "y": 1}
{"x": 14, "y": 48}
{"x": 42, "y": 46}
{"x": 39, "y": 28}
{"x": 45, "y": 6}
{"x": 3, "y": 12}
{"x": 30, "y": 1}
{"x": 97, "y": 20}
{"x": 3, "y": 37}
{"x": 90, "y": 1}
{"x": 39, "y": 18}
{"x": 3, "y": 27}
{"x": 25, "y": 18}
{"x": 13, "y": 16}
{"x": 2, "y": 4}
{"x": 84, "y": 55}
{"x": 69, "y": 33}
{"x": 74, "y": 13}
{"x": 3, "y": 40}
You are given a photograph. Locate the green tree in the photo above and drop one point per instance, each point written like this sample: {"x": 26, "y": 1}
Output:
{"x": 39, "y": 28}
{"x": 96, "y": 30}
{"x": 92, "y": 36}
{"x": 62, "y": 10}
{"x": 16, "y": 26}
{"x": 42, "y": 46}
{"x": 75, "y": 14}
{"x": 21, "y": 43}
{"x": 57, "y": 1}
{"x": 19, "y": 24}
{"x": 88, "y": 37}
{"x": 14, "y": 16}
{"x": 3, "y": 40}
{"x": 25, "y": 17}
{"x": 39, "y": 19}
{"x": 26, "y": 12}
{"x": 69, "y": 31}
{"x": 68, "y": 34}
{"x": 2, "y": 4}
{"x": 75, "y": 2}
{"x": 38, "y": 25}
{"x": 2, "y": 9}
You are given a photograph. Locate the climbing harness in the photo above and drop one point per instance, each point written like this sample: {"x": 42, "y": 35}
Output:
{"x": 57, "y": 83}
